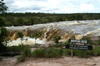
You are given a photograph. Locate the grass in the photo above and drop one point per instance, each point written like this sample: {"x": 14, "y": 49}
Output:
{"x": 99, "y": 42}
{"x": 21, "y": 58}
{"x": 96, "y": 51}
{"x": 35, "y": 45}
{"x": 56, "y": 53}
{"x": 89, "y": 40}
{"x": 27, "y": 52}
{"x": 19, "y": 48}
{"x": 53, "y": 53}
{"x": 90, "y": 53}
{"x": 66, "y": 52}
{"x": 47, "y": 53}
{"x": 38, "y": 53}
{"x": 79, "y": 53}
{"x": 59, "y": 45}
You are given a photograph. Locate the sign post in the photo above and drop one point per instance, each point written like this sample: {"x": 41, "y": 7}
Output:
{"x": 72, "y": 51}
{"x": 80, "y": 47}
{"x": 78, "y": 41}
{"x": 85, "y": 53}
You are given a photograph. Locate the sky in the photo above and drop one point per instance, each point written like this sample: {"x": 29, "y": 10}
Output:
{"x": 53, "y": 6}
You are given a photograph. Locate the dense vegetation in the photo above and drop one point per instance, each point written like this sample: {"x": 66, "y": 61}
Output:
{"x": 17, "y": 19}
{"x": 56, "y": 52}
{"x": 3, "y": 30}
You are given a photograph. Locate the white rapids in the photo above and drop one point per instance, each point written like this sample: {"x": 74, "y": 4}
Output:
{"x": 83, "y": 27}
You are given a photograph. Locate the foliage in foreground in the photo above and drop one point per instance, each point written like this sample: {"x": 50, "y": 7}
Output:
{"x": 96, "y": 51}
{"x": 27, "y": 52}
{"x": 56, "y": 53}
{"x": 19, "y": 48}
{"x": 48, "y": 53}
{"x": 52, "y": 52}
{"x": 80, "y": 53}
{"x": 3, "y": 35}
{"x": 38, "y": 53}
{"x": 89, "y": 40}
{"x": 21, "y": 58}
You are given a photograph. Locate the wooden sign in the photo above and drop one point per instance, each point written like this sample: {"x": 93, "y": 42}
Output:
{"x": 78, "y": 41}
{"x": 81, "y": 47}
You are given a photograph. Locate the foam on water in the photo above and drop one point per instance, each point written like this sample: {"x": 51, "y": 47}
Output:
{"x": 26, "y": 41}
{"x": 84, "y": 28}
{"x": 94, "y": 32}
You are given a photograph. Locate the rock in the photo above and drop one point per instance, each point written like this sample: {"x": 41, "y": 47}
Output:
{"x": 78, "y": 37}
{"x": 90, "y": 64}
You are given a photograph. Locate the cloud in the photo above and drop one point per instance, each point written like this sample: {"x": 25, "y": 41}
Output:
{"x": 40, "y": 0}
{"x": 51, "y": 6}
{"x": 86, "y": 7}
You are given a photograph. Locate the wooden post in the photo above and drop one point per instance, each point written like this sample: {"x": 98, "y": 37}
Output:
{"x": 85, "y": 53}
{"x": 72, "y": 52}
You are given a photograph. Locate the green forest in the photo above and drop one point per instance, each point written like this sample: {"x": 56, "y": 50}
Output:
{"x": 19, "y": 19}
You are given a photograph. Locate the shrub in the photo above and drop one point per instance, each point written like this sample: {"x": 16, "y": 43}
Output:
{"x": 57, "y": 38}
{"x": 89, "y": 53}
{"x": 17, "y": 48}
{"x": 3, "y": 35}
{"x": 20, "y": 35}
{"x": 56, "y": 45}
{"x": 88, "y": 39}
{"x": 53, "y": 53}
{"x": 96, "y": 51}
{"x": 59, "y": 45}
{"x": 79, "y": 53}
{"x": 99, "y": 42}
{"x": 66, "y": 52}
{"x": 21, "y": 58}
{"x": 49, "y": 53}
{"x": 35, "y": 45}
{"x": 38, "y": 53}
{"x": 27, "y": 52}
{"x": 67, "y": 42}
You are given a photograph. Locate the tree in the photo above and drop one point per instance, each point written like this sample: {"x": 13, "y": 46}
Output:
{"x": 20, "y": 35}
{"x": 57, "y": 38}
{"x": 3, "y": 30}
{"x": 3, "y": 7}
{"x": 3, "y": 35}
{"x": 20, "y": 21}
{"x": 1, "y": 22}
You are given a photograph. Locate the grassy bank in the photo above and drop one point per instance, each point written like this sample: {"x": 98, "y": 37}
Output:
{"x": 54, "y": 51}
{"x": 57, "y": 53}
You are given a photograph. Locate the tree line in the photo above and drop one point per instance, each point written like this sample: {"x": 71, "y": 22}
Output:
{"x": 19, "y": 19}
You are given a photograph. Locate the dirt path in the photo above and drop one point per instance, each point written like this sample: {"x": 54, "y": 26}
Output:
{"x": 8, "y": 61}
{"x": 65, "y": 61}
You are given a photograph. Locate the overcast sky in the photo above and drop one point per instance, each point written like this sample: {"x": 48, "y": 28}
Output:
{"x": 54, "y": 6}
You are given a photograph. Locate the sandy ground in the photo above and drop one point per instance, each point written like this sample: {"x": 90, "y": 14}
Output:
{"x": 65, "y": 61}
